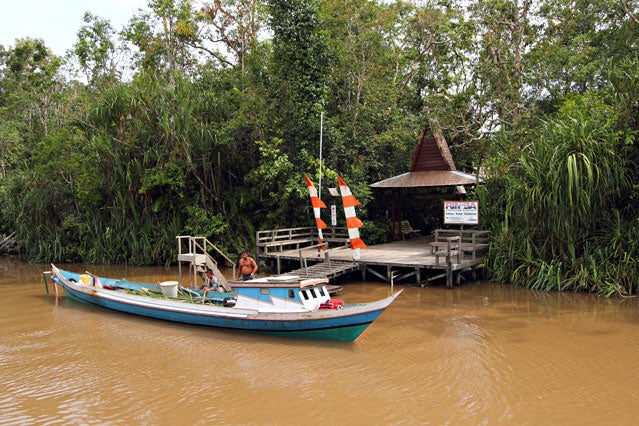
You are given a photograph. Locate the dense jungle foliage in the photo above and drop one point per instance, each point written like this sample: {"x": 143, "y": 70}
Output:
{"x": 202, "y": 118}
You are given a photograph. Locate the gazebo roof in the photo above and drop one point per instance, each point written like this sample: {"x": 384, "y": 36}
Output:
{"x": 426, "y": 178}
{"x": 432, "y": 165}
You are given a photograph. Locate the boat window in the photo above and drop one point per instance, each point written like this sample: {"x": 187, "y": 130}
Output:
{"x": 304, "y": 295}
{"x": 265, "y": 291}
{"x": 321, "y": 290}
{"x": 313, "y": 293}
{"x": 291, "y": 294}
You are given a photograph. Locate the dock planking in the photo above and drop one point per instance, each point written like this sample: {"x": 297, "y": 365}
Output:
{"x": 325, "y": 269}
{"x": 394, "y": 261}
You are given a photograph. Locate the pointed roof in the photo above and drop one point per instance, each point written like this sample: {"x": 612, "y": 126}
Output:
{"x": 432, "y": 153}
{"x": 432, "y": 165}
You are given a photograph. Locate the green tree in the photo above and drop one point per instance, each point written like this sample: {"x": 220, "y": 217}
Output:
{"x": 301, "y": 68}
{"x": 163, "y": 36}
{"x": 230, "y": 26}
{"x": 96, "y": 51}
{"x": 30, "y": 84}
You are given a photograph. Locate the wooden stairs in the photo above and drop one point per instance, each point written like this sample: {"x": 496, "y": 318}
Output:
{"x": 193, "y": 252}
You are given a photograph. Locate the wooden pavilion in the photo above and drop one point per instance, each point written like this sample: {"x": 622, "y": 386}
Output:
{"x": 432, "y": 167}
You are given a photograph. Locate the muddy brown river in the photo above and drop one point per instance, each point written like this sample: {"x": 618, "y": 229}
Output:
{"x": 480, "y": 354}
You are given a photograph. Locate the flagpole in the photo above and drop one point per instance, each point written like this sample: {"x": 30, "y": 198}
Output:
{"x": 320, "y": 154}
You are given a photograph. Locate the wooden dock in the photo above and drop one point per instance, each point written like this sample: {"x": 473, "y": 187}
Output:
{"x": 392, "y": 262}
{"x": 322, "y": 269}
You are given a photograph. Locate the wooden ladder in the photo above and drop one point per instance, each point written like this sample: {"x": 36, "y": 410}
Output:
{"x": 194, "y": 251}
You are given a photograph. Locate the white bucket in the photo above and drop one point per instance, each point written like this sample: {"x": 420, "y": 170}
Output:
{"x": 169, "y": 288}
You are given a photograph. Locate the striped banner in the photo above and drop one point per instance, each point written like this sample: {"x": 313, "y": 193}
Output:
{"x": 352, "y": 221}
{"x": 317, "y": 205}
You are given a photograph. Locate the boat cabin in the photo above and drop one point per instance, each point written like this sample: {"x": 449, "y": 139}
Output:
{"x": 283, "y": 291}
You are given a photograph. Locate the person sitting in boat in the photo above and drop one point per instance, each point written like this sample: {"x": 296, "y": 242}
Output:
{"x": 211, "y": 282}
{"x": 247, "y": 267}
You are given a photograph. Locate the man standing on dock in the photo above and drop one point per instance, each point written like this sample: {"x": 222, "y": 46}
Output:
{"x": 247, "y": 267}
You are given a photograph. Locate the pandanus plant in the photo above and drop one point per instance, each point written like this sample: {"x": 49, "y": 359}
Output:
{"x": 561, "y": 224}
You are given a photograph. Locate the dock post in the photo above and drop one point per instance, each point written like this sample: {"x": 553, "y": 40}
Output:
{"x": 44, "y": 278}
{"x": 449, "y": 272}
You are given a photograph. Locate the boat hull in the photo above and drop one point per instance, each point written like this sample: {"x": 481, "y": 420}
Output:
{"x": 339, "y": 324}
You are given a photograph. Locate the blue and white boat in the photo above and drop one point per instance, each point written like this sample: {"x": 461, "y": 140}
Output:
{"x": 283, "y": 306}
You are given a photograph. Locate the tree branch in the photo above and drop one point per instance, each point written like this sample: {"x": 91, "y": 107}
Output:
{"x": 628, "y": 12}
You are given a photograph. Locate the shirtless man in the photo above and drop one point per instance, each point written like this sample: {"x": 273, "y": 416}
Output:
{"x": 247, "y": 267}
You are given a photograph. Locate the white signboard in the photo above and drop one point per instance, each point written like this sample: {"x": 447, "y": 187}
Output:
{"x": 333, "y": 215}
{"x": 461, "y": 212}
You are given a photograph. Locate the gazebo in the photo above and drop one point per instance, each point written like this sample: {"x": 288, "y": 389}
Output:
{"x": 432, "y": 166}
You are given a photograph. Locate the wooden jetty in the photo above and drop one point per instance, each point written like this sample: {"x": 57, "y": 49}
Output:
{"x": 422, "y": 257}
{"x": 325, "y": 269}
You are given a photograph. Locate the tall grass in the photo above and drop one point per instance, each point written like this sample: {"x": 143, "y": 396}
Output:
{"x": 557, "y": 212}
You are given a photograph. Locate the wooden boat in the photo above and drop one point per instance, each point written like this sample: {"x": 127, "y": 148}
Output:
{"x": 283, "y": 306}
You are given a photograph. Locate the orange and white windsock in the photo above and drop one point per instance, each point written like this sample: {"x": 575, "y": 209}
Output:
{"x": 352, "y": 221}
{"x": 317, "y": 205}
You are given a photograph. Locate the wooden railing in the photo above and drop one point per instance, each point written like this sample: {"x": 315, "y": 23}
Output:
{"x": 298, "y": 238}
{"x": 467, "y": 240}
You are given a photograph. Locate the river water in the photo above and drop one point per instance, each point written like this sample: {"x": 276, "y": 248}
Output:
{"x": 480, "y": 354}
